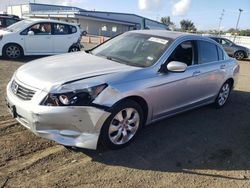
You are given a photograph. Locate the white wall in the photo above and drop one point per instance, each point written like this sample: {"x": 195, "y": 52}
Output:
{"x": 18, "y": 10}
{"x": 95, "y": 27}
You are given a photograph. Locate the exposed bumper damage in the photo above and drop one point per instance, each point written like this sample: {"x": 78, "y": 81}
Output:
{"x": 70, "y": 126}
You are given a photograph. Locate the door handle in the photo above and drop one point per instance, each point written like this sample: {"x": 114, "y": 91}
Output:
{"x": 196, "y": 73}
{"x": 222, "y": 66}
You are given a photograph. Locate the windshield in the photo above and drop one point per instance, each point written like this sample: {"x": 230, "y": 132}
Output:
{"x": 19, "y": 26}
{"x": 133, "y": 49}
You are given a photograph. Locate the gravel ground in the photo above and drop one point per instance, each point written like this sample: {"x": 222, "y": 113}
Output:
{"x": 205, "y": 147}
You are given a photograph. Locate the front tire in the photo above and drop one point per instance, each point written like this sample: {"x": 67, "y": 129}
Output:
{"x": 12, "y": 51}
{"x": 123, "y": 125}
{"x": 223, "y": 95}
{"x": 239, "y": 55}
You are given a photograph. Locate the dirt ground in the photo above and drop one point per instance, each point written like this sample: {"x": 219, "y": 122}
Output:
{"x": 205, "y": 147}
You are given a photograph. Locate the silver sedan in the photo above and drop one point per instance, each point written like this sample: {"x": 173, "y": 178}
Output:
{"x": 107, "y": 94}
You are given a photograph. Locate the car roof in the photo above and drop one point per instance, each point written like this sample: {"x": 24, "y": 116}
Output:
{"x": 216, "y": 37}
{"x": 164, "y": 33}
{"x": 9, "y": 16}
{"x": 35, "y": 20}
{"x": 173, "y": 35}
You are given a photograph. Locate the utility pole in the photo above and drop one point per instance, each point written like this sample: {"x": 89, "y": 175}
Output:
{"x": 236, "y": 28}
{"x": 221, "y": 17}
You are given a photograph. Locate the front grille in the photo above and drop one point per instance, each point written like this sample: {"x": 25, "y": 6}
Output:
{"x": 21, "y": 91}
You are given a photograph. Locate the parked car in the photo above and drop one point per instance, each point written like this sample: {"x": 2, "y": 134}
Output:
{"x": 232, "y": 49}
{"x": 109, "y": 93}
{"x": 83, "y": 30}
{"x": 39, "y": 37}
{"x": 6, "y": 20}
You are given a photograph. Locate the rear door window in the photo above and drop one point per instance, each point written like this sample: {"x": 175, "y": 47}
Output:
{"x": 207, "y": 52}
{"x": 61, "y": 29}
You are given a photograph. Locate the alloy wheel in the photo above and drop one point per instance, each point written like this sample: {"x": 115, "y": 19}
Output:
{"x": 124, "y": 126}
{"x": 13, "y": 52}
{"x": 224, "y": 94}
{"x": 239, "y": 55}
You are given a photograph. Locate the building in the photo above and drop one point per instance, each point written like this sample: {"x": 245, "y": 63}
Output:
{"x": 94, "y": 22}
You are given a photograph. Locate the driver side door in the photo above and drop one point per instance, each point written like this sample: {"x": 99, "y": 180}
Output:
{"x": 228, "y": 46}
{"x": 176, "y": 91}
{"x": 41, "y": 42}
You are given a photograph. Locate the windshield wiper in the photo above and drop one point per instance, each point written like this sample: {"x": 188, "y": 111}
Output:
{"x": 118, "y": 60}
{"x": 88, "y": 51}
{"x": 122, "y": 61}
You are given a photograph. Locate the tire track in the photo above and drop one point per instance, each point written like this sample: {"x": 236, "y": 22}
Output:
{"x": 19, "y": 144}
{"x": 19, "y": 164}
{"x": 56, "y": 175}
{"x": 10, "y": 128}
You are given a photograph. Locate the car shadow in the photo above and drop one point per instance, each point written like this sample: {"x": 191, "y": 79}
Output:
{"x": 246, "y": 60}
{"x": 205, "y": 138}
{"x": 24, "y": 59}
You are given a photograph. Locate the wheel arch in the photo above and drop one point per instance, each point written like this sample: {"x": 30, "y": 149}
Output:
{"x": 141, "y": 101}
{"x": 230, "y": 80}
{"x": 245, "y": 54}
{"x": 7, "y": 44}
{"x": 74, "y": 45}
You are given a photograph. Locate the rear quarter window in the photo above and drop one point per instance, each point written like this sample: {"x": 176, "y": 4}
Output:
{"x": 207, "y": 52}
{"x": 1, "y": 22}
{"x": 73, "y": 29}
{"x": 220, "y": 54}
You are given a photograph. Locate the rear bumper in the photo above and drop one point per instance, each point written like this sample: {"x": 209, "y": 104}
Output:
{"x": 70, "y": 126}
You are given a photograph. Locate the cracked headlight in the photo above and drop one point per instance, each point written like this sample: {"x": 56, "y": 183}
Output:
{"x": 83, "y": 97}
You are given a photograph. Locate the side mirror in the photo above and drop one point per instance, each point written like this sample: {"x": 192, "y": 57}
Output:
{"x": 176, "y": 66}
{"x": 31, "y": 33}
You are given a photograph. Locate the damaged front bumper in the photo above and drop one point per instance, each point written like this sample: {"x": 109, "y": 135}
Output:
{"x": 78, "y": 126}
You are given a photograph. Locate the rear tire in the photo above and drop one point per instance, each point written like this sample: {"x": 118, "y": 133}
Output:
{"x": 223, "y": 95}
{"x": 239, "y": 55}
{"x": 123, "y": 125}
{"x": 12, "y": 51}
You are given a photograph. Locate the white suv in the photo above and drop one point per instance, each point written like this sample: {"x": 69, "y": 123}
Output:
{"x": 39, "y": 37}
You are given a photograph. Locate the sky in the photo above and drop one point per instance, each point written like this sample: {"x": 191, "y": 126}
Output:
{"x": 204, "y": 13}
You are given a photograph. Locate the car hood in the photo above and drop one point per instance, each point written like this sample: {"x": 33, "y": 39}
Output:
{"x": 56, "y": 70}
{"x": 4, "y": 32}
{"x": 240, "y": 47}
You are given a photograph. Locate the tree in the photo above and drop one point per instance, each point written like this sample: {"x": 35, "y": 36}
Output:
{"x": 187, "y": 25}
{"x": 167, "y": 21}
{"x": 239, "y": 32}
{"x": 245, "y": 32}
{"x": 232, "y": 30}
